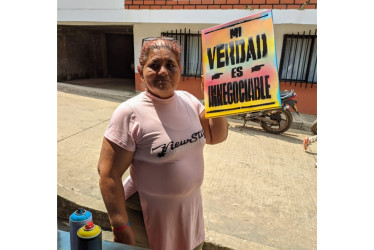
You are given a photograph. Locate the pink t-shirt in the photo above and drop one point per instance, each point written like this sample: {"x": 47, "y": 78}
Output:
{"x": 168, "y": 165}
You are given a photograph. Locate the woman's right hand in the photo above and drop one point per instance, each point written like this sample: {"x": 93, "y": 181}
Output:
{"x": 125, "y": 236}
{"x": 113, "y": 163}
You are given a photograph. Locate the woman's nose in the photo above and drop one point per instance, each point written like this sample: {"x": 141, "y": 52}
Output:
{"x": 163, "y": 70}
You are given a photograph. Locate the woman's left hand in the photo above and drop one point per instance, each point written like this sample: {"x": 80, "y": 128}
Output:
{"x": 215, "y": 129}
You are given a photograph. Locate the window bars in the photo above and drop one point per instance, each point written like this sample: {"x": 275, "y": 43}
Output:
{"x": 191, "y": 57}
{"x": 298, "y": 62}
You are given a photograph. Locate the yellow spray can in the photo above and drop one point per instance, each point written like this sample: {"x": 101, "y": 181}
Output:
{"x": 89, "y": 237}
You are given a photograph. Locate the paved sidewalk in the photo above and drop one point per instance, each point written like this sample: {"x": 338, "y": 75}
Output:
{"x": 259, "y": 189}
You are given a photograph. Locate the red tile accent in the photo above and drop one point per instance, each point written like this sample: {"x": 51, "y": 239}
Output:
{"x": 255, "y": 6}
{"x": 177, "y": 7}
{"x": 310, "y": 6}
{"x": 232, "y": 1}
{"x": 207, "y": 2}
{"x": 258, "y": 1}
{"x": 189, "y": 7}
{"x": 137, "y": 2}
{"x": 213, "y": 6}
{"x": 279, "y": 6}
{"x": 156, "y": 7}
{"x": 265, "y": 6}
{"x": 246, "y": 1}
{"x": 183, "y": 2}
{"x": 166, "y": 7}
{"x": 160, "y": 2}
{"x": 287, "y": 1}
{"x": 300, "y": 1}
{"x": 219, "y": 1}
{"x": 239, "y": 6}
{"x": 293, "y": 6}
{"x": 272, "y": 1}
{"x": 134, "y": 7}
{"x": 226, "y": 7}
{"x": 149, "y": 2}
{"x": 145, "y": 7}
{"x": 195, "y": 1}
{"x": 202, "y": 7}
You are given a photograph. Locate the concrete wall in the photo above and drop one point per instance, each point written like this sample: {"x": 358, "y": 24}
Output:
{"x": 90, "y": 4}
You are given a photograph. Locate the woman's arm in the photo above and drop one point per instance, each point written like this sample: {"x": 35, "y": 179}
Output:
{"x": 113, "y": 163}
{"x": 215, "y": 129}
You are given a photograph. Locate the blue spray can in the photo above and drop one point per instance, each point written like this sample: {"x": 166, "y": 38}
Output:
{"x": 77, "y": 220}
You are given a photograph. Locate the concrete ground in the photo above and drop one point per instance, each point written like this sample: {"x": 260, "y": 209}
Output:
{"x": 259, "y": 190}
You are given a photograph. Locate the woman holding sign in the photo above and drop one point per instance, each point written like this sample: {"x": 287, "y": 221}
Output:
{"x": 160, "y": 135}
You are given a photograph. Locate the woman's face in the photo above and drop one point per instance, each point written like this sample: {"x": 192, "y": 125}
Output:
{"x": 161, "y": 73}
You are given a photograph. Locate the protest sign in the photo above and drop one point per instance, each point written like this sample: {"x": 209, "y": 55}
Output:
{"x": 240, "y": 66}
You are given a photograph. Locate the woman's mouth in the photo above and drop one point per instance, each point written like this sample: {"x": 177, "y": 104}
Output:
{"x": 161, "y": 82}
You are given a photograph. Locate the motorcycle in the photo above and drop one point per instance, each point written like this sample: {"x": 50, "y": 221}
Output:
{"x": 274, "y": 121}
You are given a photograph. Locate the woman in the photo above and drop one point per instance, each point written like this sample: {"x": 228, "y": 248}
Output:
{"x": 160, "y": 135}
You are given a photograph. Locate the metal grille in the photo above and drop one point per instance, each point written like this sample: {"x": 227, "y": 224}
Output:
{"x": 299, "y": 59}
{"x": 190, "y": 51}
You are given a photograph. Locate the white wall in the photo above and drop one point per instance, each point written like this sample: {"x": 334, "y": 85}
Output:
{"x": 78, "y": 13}
{"x": 90, "y": 4}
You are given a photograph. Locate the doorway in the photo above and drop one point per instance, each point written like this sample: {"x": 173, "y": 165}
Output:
{"x": 120, "y": 55}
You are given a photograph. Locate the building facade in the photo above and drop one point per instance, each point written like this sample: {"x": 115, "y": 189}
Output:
{"x": 100, "y": 39}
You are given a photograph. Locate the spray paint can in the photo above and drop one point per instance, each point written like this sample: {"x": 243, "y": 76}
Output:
{"x": 90, "y": 237}
{"x": 76, "y": 220}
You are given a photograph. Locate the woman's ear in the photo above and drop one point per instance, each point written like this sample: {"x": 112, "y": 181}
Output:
{"x": 140, "y": 71}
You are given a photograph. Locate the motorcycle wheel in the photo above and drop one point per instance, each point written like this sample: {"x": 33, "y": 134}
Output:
{"x": 314, "y": 127}
{"x": 283, "y": 118}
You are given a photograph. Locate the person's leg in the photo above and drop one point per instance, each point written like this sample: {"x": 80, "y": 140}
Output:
{"x": 305, "y": 143}
{"x": 135, "y": 214}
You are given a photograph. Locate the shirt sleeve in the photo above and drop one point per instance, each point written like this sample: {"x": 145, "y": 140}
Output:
{"x": 123, "y": 129}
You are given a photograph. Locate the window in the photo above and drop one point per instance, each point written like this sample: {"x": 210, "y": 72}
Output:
{"x": 299, "y": 59}
{"x": 190, "y": 52}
